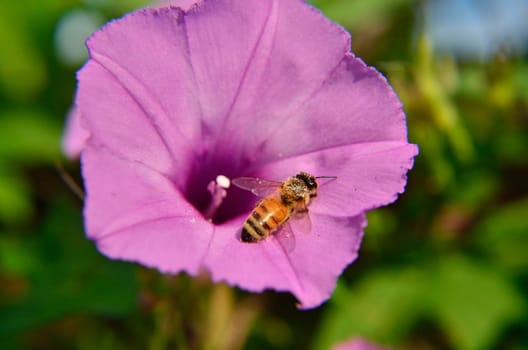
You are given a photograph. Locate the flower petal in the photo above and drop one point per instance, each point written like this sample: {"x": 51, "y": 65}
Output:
{"x": 361, "y": 139}
{"x": 135, "y": 213}
{"x": 75, "y": 135}
{"x": 230, "y": 66}
{"x": 369, "y": 175}
{"x": 125, "y": 91}
{"x": 355, "y": 105}
{"x": 310, "y": 271}
{"x": 253, "y": 63}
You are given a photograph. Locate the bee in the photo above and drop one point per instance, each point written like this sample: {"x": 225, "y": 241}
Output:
{"x": 282, "y": 201}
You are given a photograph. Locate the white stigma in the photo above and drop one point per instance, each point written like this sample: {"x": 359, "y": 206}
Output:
{"x": 223, "y": 181}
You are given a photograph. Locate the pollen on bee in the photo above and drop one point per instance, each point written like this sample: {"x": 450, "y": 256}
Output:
{"x": 223, "y": 181}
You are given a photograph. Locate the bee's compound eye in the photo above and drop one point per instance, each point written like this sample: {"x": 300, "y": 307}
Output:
{"x": 307, "y": 179}
{"x": 310, "y": 182}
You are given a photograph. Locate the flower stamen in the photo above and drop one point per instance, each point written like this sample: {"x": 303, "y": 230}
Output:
{"x": 217, "y": 189}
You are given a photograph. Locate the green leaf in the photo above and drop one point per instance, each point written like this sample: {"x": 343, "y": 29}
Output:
{"x": 382, "y": 224}
{"x": 503, "y": 235}
{"x": 67, "y": 276}
{"x": 520, "y": 81}
{"x": 23, "y": 72}
{"x": 29, "y": 136}
{"x": 382, "y": 307}
{"x": 472, "y": 302}
{"x": 118, "y": 8}
{"x": 15, "y": 257}
{"x": 358, "y": 12}
{"x": 15, "y": 199}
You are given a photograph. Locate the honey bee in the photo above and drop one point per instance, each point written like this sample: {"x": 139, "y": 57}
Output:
{"x": 282, "y": 201}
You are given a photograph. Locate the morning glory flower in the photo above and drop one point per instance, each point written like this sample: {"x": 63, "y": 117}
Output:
{"x": 177, "y": 103}
{"x": 357, "y": 343}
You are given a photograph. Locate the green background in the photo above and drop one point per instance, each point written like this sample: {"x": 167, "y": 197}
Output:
{"x": 445, "y": 267}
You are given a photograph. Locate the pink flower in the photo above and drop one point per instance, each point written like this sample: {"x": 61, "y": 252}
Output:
{"x": 357, "y": 344}
{"x": 75, "y": 135}
{"x": 265, "y": 88}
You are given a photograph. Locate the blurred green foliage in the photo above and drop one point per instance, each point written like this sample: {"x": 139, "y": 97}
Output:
{"x": 446, "y": 267}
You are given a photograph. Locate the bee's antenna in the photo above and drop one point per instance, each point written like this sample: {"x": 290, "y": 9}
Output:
{"x": 326, "y": 177}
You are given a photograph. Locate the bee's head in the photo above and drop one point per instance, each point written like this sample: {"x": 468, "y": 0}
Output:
{"x": 311, "y": 182}
{"x": 308, "y": 180}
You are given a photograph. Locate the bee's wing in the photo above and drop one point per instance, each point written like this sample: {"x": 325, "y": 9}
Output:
{"x": 301, "y": 222}
{"x": 259, "y": 187}
{"x": 286, "y": 238}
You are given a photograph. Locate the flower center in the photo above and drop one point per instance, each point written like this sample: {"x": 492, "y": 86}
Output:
{"x": 208, "y": 189}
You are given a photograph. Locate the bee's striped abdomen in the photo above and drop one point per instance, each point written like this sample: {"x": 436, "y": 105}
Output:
{"x": 269, "y": 214}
